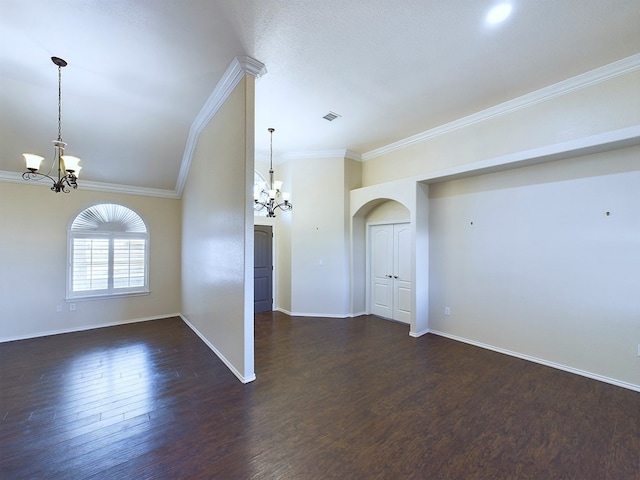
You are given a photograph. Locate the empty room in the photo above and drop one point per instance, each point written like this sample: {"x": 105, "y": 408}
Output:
{"x": 311, "y": 240}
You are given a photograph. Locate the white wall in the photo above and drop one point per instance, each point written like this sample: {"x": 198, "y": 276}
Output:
{"x": 316, "y": 233}
{"x": 217, "y": 233}
{"x": 318, "y": 283}
{"x": 543, "y": 271}
{"x": 33, "y": 257}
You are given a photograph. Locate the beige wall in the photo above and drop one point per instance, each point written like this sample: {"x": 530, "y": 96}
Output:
{"x": 389, "y": 212}
{"x": 319, "y": 236}
{"x": 217, "y": 233}
{"x": 282, "y": 236}
{"x": 33, "y": 257}
{"x": 543, "y": 271}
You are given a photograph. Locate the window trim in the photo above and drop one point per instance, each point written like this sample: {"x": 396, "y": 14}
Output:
{"x": 112, "y": 235}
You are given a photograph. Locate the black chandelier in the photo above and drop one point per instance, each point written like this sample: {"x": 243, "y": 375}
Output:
{"x": 68, "y": 166}
{"x": 268, "y": 195}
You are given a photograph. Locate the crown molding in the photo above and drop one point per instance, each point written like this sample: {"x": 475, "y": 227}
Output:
{"x": 129, "y": 189}
{"x": 239, "y": 67}
{"x": 601, "y": 142}
{"x": 592, "y": 77}
{"x": 341, "y": 153}
{"x": 251, "y": 66}
{"x": 13, "y": 177}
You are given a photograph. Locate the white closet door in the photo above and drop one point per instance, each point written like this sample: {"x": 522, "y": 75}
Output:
{"x": 391, "y": 271}
{"x": 402, "y": 272}
{"x": 382, "y": 270}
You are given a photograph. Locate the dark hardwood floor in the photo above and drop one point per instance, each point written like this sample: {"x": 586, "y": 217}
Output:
{"x": 334, "y": 399}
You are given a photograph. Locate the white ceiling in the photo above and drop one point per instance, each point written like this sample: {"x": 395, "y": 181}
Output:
{"x": 140, "y": 70}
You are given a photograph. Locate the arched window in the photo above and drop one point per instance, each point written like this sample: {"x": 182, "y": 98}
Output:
{"x": 108, "y": 253}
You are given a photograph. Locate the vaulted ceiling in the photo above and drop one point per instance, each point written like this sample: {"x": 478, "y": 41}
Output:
{"x": 140, "y": 70}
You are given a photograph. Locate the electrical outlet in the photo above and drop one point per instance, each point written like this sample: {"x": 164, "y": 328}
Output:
{"x": 72, "y": 307}
{"x": 639, "y": 349}
{"x": 58, "y": 308}
{"x": 447, "y": 311}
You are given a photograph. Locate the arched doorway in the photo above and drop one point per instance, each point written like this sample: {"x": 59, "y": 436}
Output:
{"x": 389, "y": 277}
{"x": 412, "y": 196}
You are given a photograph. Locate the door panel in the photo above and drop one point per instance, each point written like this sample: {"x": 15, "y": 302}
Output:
{"x": 382, "y": 298}
{"x": 262, "y": 269}
{"x": 403, "y": 271}
{"x": 382, "y": 270}
{"x": 402, "y": 253}
{"x": 402, "y": 303}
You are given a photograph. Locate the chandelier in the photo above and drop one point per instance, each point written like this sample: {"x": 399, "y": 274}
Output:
{"x": 268, "y": 195}
{"x": 68, "y": 166}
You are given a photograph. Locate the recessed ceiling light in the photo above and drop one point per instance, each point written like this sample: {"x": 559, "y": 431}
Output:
{"x": 499, "y": 13}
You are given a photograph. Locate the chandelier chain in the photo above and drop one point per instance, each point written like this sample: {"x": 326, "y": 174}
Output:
{"x": 59, "y": 103}
{"x": 271, "y": 130}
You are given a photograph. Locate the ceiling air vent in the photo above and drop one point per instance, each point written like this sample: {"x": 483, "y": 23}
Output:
{"x": 331, "y": 116}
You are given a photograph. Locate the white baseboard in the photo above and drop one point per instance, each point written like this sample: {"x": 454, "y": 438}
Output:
{"x": 419, "y": 334}
{"x": 577, "y": 371}
{"x": 317, "y": 315}
{"x": 87, "y": 327}
{"x": 229, "y": 365}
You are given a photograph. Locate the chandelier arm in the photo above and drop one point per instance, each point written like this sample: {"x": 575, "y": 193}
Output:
{"x": 68, "y": 180}
{"x": 71, "y": 180}
{"x": 60, "y": 185}
{"x": 272, "y": 204}
{"x": 285, "y": 207}
{"x": 37, "y": 176}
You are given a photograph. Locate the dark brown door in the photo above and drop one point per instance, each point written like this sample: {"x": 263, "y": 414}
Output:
{"x": 262, "y": 269}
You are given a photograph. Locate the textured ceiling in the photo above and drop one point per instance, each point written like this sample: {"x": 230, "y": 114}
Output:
{"x": 140, "y": 70}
